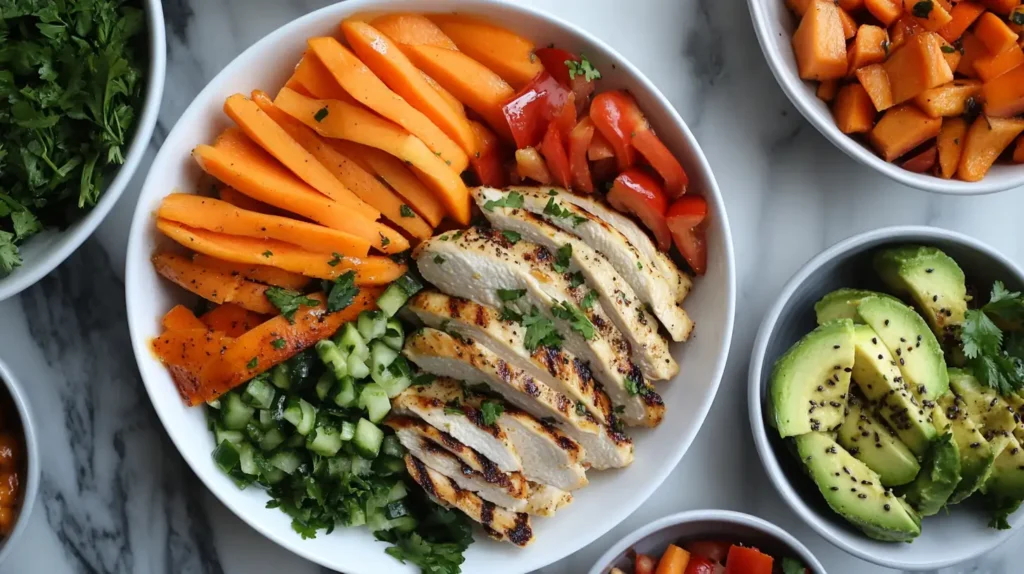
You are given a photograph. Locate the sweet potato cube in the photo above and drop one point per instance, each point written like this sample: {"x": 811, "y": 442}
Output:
{"x": 853, "y": 110}
{"x": 994, "y": 33}
{"x": 1004, "y": 96}
{"x": 985, "y": 141}
{"x": 827, "y": 90}
{"x": 949, "y": 99}
{"x": 916, "y": 67}
{"x": 950, "y": 143}
{"x": 930, "y": 13}
{"x": 1001, "y": 7}
{"x": 949, "y": 53}
{"x": 973, "y": 50}
{"x": 961, "y": 17}
{"x": 922, "y": 162}
{"x": 849, "y": 24}
{"x": 1018, "y": 152}
{"x": 906, "y": 27}
{"x": 868, "y": 47}
{"x": 876, "y": 83}
{"x": 885, "y": 11}
{"x": 851, "y": 5}
{"x": 902, "y": 129}
{"x": 992, "y": 67}
{"x": 819, "y": 43}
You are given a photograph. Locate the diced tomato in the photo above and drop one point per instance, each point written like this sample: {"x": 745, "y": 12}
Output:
{"x": 579, "y": 142}
{"x": 700, "y": 565}
{"x": 645, "y": 564}
{"x": 600, "y": 148}
{"x": 529, "y": 111}
{"x": 633, "y": 191}
{"x": 530, "y": 165}
{"x": 556, "y": 157}
{"x": 686, "y": 220}
{"x": 663, "y": 162}
{"x": 716, "y": 550}
{"x": 487, "y": 160}
{"x": 554, "y": 60}
{"x": 744, "y": 560}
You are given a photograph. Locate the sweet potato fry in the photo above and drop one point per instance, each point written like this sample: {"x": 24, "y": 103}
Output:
{"x": 950, "y": 143}
{"x": 986, "y": 139}
{"x": 211, "y": 284}
{"x": 180, "y": 318}
{"x": 412, "y": 29}
{"x": 401, "y": 179}
{"x": 507, "y": 54}
{"x": 259, "y": 273}
{"x": 231, "y": 319}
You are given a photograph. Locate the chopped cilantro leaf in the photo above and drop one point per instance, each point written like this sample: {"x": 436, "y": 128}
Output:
{"x": 438, "y": 259}
{"x": 512, "y": 236}
{"x": 554, "y": 209}
{"x": 423, "y": 379}
{"x": 576, "y": 279}
{"x": 278, "y": 343}
{"x": 268, "y": 253}
{"x": 563, "y": 257}
{"x": 581, "y": 409}
{"x": 453, "y": 407}
{"x": 922, "y": 9}
{"x": 384, "y": 240}
{"x": 588, "y": 300}
{"x": 288, "y": 301}
{"x": 406, "y": 211}
{"x": 582, "y": 68}
{"x": 540, "y": 331}
{"x": 491, "y": 410}
{"x": 513, "y": 200}
{"x": 252, "y": 363}
{"x": 510, "y": 294}
{"x": 342, "y": 292}
{"x": 335, "y": 259}
{"x": 576, "y": 318}
{"x": 511, "y": 315}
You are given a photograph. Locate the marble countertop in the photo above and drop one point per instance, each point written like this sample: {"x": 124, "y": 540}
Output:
{"x": 116, "y": 497}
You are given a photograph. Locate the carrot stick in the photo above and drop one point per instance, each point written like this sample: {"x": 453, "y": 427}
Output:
{"x": 673, "y": 561}
{"x": 412, "y": 29}
{"x": 231, "y": 319}
{"x": 260, "y": 273}
{"x": 211, "y": 284}
{"x": 372, "y": 270}
{"x": 222, "y": 217}
{"x": 317, "y": 81}
{"x": 457, "y": 106}
{"x": 347, "y": 122}
{"x": 508, "y": 54}
{"x": 180, "y": 318}
{"x": 243, "y": 201}
{"x": 185, "y": 352}
{"x": 401, "y": 179}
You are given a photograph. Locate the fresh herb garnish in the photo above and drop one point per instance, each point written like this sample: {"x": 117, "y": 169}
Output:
{"x": 555, "y": 209}
{"x": 563, "y": 257}
{"x": 588, "y": 300}
{"x": 491, "y": 410}
{"x": 384, "y": 240}
{"x": 423, "y": 379}
{"x": 540, "y": 331}
{"x": 406, "y": 211}
{"x": 576, "y": 279}
{"x": 577, "y": 320}
{"x": 513, "y": 200}
{"x": 278, "y": 343}
{"x": 288, "y": 301}
{"x": 510, "y": 314}
{"x": 453, "y": 407}
{"x": 922, "y": 9}
{"x": 582, "y": 68}
{"x": 268, "y": 253}
{"x": 982, "y": 339}
{"x": 792, "y": 566}
{"x": 632, "y": 384}
{"x": 252, "y": 363}
{"x": 437, "y": 545}
{"x": 948, "y": 49}
{"x": 510, "y": 294}
{"x": 438, "y": 259}
{"x": 335, "y": 259}
{"x": 512, "y": 236}
{"x": 581, "y": 409}
{"x": 321, "y": 114}
{"x": 342, "y": 292}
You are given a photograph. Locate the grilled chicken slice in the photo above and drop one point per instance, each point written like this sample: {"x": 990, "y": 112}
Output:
{"x": 486, "y": 267}
{"x": 545, "y": 499}
{"x": 499, "y": 523}
{"x": 439, "y": 353}
{"x": 651, "y": 274}
{"x": 557, "y": 368}
{"x": 442, "y": 405}
{"x": 649, "y": 349}
{"x": 549, "y": 456}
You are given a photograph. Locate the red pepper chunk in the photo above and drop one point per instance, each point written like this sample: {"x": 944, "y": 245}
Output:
{"x": 635, "y": 192}
{"x": 744, "y": 560}
{"x": 685, "y": 218}
{"x": 700, "y": 565}
{"x": 530, "y": 111}
{"x": 555, "y": 156}
{"x": 555, "y": 62}
{"x": 486, "y": 161}
{"x": 579, "y": 142}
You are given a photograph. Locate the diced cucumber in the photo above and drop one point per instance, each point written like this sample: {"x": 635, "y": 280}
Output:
{"x": 381, "y": 357}
{"x": 344, "y": 393}
{"x": 397, "y": 380}
{"x": 371, "y": 324}
{"x": 392, "y": 447}
{"x": 339, "y": 466}
{"x": 226, "y": 455}
{"x": 356, "y": 515}
{"x": 348, "y": 431}
{"x": 285, "y": 460}
{"x": 361, "y": 466}
{"x": 221, "y": 434}
{"x": 368, "y": 439}
{"x": 323, "y": 386}
{"x": 280, "y": 378}
{"x": 293, "y": 441}
{"x": 398, "y": 492}
{"x": 272, "y": 438}
{"x": 357, "y": 367}
{"x": 259, "y": 393}
{"x": 301, "y": 414}
{"x": 395, "y": 510}
{"x": 375, "y": 519}
{"x": 326, "y": 442}
{"x": 351, "y": 341}
{"x": 234, "y": 414}
{"x": 374, "y": 399}
{"x": 333, "y": 356}
{"x": 246, "y": 462}
{"x": 388, "y": 465}
{"x": 273, "y": 475}
{"x": 266, "y": 418}
{"x": 394, "y": 334}
{"x": 398, "y": 293}
{"x": 405, "y": 524}
{"x": 254, "y": 432}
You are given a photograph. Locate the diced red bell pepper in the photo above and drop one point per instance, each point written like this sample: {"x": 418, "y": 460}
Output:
{"x": 663, "y": 162}
{"x": 565, "y": 119}
{"x": 530, "y": 165}
{"x": 633, "y": 191}
{"x": 745, "y": 560}
{"x": 645, "y": 564}
{"x": 486, "y": 162}
{"x": 579, "y": 143}
{"x": 715, "y": 550}
{"x": 554, "y": 60}
{"x": 686, "y": 220}
{"x": 600, "y": 148}
{"x": 553, "y": 150}
{"x": 530, "y": 110}
{"x": 700, "y": 565}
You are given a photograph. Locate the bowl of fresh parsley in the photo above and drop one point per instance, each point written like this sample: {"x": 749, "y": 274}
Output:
{"x": 80, "y": 88}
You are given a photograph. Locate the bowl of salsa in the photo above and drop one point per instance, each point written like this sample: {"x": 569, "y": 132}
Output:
{"x": 19, "y": 461}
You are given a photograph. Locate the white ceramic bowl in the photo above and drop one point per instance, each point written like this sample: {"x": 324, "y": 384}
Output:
{"x": 45, "y": 251}
{"x": 774, "y": 25}
{"x": 611, "y": 496}
{"x": 727, "y": 525}
{"x": 30, "y": 481}
{"x": 946, "y": 538}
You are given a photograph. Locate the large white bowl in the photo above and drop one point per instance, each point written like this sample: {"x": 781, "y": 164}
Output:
{"x": 45, "y": 251}
{"x": 774, "y": 25}
{"x": 611, "y": 496}
{"x": 947, "y": 538}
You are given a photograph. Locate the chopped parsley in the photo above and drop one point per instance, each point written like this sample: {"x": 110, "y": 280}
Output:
{"x": 423, "y": 379}
{"x": 268, "y": 253}
{"x": 555, "y": 209}
{"x": 582, "y": 68}
{"x": 384, "y": 240}
{"x": 576, "y": 279}
{"x": 510, "y": 314}
{"x": 540, "y": 331}
{"x": 581, "y": 409}
{"x": 632, "y": 384}
{"x": 997, "y": 361}
{"x": 406, "y": 211}
{"x": 342, "y": 292}
{"x": 563, "y": 257}
{"x": 321, "y": 114}
{"x": 588, "y": 300}
{"x": 510, "y": 294}
{"x": 278, "y": 343}
{"x": 512, "y": 236}
{"x": 513, "y": 200}
{"x": 923, "y": 9}
{"x": 252, "y": 363}
{"x": 946, "y": 49}
{"x": 577, "y": 320}
{"x": 792, "y": 566}
{"x": 552, "y": 192}
{"x": 335, "y": 259}
{"x": 491, "y": 410}
{"x": 453, "y": 407}
{"x": 288, "y": 301}
{"x": 438, "y": 259}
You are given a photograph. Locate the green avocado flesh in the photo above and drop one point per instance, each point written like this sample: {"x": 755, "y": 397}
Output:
{"x": 809, "y": 383}
{"x": 853, "y": 490}
{"x": 986, "y": 409}
{"x": 932, "y": 279}
{"x": 876, "y": 374}
{"x": 842, "y": 304}
{"x": 976, "y": 456}
{"x": 1004, "y": 488}
{"x": 912, "y": 344}
{"x": 940, "y": 474}
{"x": 870, "y": 441}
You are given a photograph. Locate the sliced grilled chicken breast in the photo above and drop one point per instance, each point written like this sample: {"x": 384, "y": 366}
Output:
{"x": 439, "y": 353}
{"x": 649, "y": 349}
{"x": 549, "y": 456}
{"x": 486, "y": 267}
{"x": 499, "y": 523}
{"x": 557, "y": 368}
{"x": 441, "y": 405}
{"x": 605, "y": 232}
{"x": 545, "y": 499}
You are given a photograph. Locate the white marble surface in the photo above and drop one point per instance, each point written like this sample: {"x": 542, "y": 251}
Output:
{"x": 116, "y": 496}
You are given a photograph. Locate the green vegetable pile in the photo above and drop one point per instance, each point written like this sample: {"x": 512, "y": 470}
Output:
{"x": 997, "y": 360}
{"x": 70, "y": 83}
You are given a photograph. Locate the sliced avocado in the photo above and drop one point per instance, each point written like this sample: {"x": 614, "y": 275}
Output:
{"x": 940, "y": 474}
{"x": 976, "y": 456}
{"x": 809, "y": 383}
{"x": 1016, "y": 403}
{"x": 853, "y": 490}
{"x": 989, "y": 412}
{"x": 914, "y": 347}
{"x": 870, "y": 441}
{"x": 1004, "y": 488}
{"x": 878, "y": 377}
{"x": 842, "y": 304}
{"x": 932, "y": 279}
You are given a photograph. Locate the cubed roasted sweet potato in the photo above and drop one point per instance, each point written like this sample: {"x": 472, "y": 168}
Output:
{"x": 916, "y": 67}
{"x": 827, "y": 90}
{"x": 961, "y": 17}
{"x": 995, "y": 33}
{"x": 1004, "y": 96}
{"x": 1018, "y": 152}
{"x": 1001, "y": 7}
{"x": 820, "y": 44}
{"x": 904, "y": 28}
{"x": 992, "y": 67}
{"x": 868, "y": 47}
{"x": 986, "y": 139}
{"x": 885, "y": 11}
{"x": 902, "y": 129}
{"x": 973, "y": 50}
{"x": 932, "y": 14}
{"x": 849, "y": 24}
{"x": 853, "y": 110}
{"x": 950, "y": 143}
{"x": 876, "y": 81}
{"x": 949, "y": 99}
{"x": 949, "y": 53}
{"x": 922, "y": 162}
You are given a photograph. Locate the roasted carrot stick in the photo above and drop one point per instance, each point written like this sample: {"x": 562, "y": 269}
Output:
{"x": 231, "y": 319}
{"x": 508, "y": 54}
{"x": 243, "y": 201}
{"x": 211, "y": 284}
{"x": 184, "y": 353}
{"x": 412, "y": 29}
{"x": 400, "y": 178}
{"x": 316, "y": 80}
{"x": 260, "y": 273}
{"x": 180, "y": 318}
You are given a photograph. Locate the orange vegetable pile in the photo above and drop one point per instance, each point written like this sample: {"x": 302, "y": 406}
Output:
{"x": 934, "y": 85}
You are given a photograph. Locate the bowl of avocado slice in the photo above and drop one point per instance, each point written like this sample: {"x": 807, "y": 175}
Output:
{"x": 886, "y": 394}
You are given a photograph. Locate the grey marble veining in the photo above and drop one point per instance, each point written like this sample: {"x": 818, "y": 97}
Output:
{"x": 117, "y": 497}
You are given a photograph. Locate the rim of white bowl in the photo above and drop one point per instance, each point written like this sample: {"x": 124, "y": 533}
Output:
{"x": 796, "y": 502}
{"x": 724, "y": 516}
{"x": 73, "y": 237}
{"x": 28, "y": 501}
{"x": 713, "y": 194}
{"x": 792, "y": 84}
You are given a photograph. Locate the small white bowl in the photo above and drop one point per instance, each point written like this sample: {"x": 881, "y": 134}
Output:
{"x": 30, "y": 482}
{"x": 611, "y": 495}
{"x": 946, "y": 538}
{"x": 774, "y": 25}
{"x": 45, "y": 251}
{"x": 727, "y": 525}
